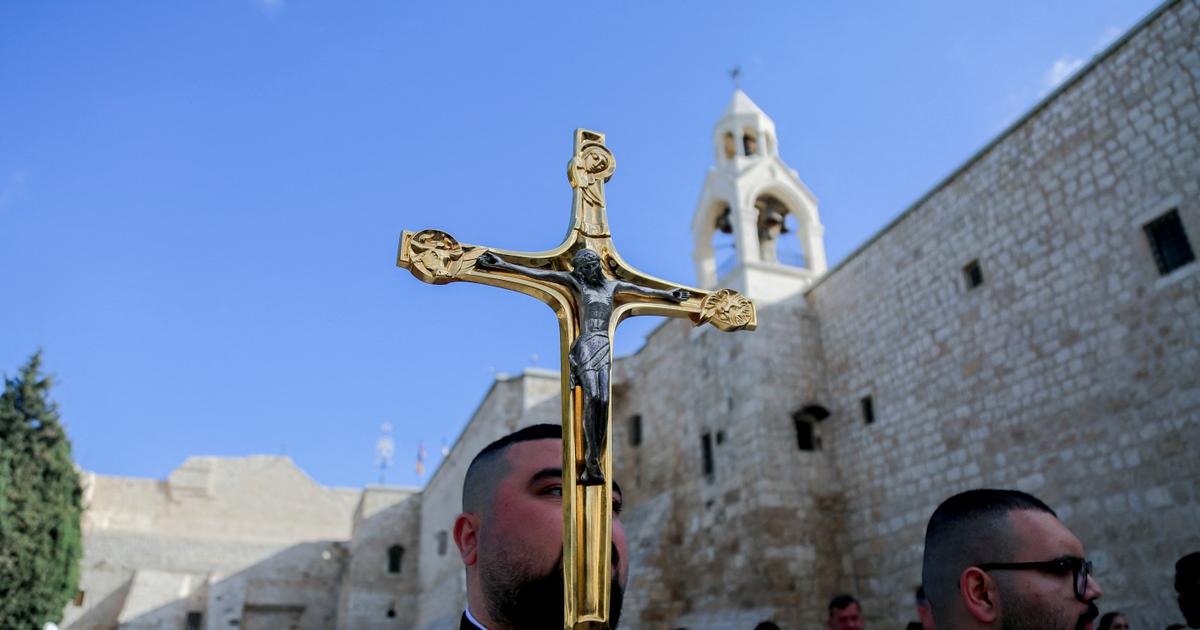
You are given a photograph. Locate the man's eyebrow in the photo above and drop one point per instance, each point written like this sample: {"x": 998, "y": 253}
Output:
{"x": 546, "y": 473}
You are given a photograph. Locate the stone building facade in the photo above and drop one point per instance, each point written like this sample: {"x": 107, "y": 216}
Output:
{"x": 1032, "y": 322}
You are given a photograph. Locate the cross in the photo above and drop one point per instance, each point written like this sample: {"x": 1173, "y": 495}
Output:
{"x": 735, "y": 73}
{"x": 591, "y": 290}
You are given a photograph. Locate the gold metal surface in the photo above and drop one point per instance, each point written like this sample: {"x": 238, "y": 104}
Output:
{"x": 437, "y": 258}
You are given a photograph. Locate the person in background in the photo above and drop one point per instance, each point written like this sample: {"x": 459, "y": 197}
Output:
{"x": 1001, "y": 559}
{"x": 924, "y": 613}
{"x": 1187, "y": 588}
{"x": 845, "y": 613}
{"x": 1114, "y": 621}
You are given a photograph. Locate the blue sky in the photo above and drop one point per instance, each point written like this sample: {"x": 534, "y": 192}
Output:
{"x": 200, "y": 202}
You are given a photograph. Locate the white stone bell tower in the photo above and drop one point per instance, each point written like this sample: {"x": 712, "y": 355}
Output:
{"x": 754, "y": 196}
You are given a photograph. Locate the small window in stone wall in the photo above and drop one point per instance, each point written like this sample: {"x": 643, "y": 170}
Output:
{"x": 1169, "y": 242}
{"x": 395, "y": 558}
{"x": 441, "y": 537}
{"x": 973, "y": 274}
{"x": 806, "y": 433}
{"x": 706, "y": 446}
{"x": 868, "y": 410}
{"x": 635, "y": 430}
{"x": 194, "y": 620}
{"x": 79, "y": 595}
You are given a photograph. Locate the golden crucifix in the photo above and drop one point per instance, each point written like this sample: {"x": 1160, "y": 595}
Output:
{"x": 591, "y": 290}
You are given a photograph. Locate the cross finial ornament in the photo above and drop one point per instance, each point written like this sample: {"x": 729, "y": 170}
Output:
{"x": 735, "y": 73}
{"x": 591, "y": 290}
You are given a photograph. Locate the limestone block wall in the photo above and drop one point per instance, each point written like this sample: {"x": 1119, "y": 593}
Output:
{"x": 512, "y": 403}
{"x": 754, "y": 537}
{"x": 372, "y": 596}
{"x": 1071, "y": 372}
{"x": 221, "y": 537}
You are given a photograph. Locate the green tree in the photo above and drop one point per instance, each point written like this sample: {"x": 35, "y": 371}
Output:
{"x": 40, "y": 505}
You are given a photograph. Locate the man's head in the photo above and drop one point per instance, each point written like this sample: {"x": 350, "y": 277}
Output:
{"x": 1187, "y": 587}
{"x": 923, "y": 610}
{"x": 845, "y": 613}
{"x": 510, "y": 533}
{"x": 586, "y": 266}
{"x": 1002, "y": 559}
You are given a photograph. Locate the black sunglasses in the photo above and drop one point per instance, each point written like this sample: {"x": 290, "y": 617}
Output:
{"x": 1079, "y": 568}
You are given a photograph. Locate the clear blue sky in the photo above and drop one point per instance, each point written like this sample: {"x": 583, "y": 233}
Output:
{"x": 200, "y": 202}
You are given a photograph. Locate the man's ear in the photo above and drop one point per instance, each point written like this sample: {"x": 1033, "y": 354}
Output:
{"x": 980, "y": 595}
{"x": 466, "y": 536}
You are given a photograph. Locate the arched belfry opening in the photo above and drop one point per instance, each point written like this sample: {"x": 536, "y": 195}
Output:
{"x": 749, "y": 142}
{"x": 755, "y": 205}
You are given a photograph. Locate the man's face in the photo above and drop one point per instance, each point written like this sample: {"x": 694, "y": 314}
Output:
{"x": 1037, "y": 599}
{"x": 848, "y": 618}
{"x": 520, "y": 541}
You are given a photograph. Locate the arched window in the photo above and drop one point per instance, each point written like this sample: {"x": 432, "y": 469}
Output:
{"x": 730, "y": 146}
{"x": 806, "y": 421}
{"x": 395, "y": 558}
{"x": 749, "y": 142}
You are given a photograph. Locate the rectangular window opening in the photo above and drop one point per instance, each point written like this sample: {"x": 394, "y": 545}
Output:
{"x": 79, "y": 595}
{"x": 442, "y": 538}
{"x": 1169, "y": 242}
{"x": 868, "y": 410}
{"x": 806, "y": 437}
{"x": 706, "y": 444}
{"x": 635, "y": 430}
{"x": 973, "y": 274}
{"x": 194, "y": 620}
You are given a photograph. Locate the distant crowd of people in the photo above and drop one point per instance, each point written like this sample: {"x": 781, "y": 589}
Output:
{"x": 994, "y": 559}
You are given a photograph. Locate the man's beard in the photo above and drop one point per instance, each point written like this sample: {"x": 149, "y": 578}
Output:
{"x": 1020, "y": 616}
{"x": 536, "y": 603}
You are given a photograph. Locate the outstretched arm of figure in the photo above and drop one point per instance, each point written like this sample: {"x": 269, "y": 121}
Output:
{"x": 675, "y": 295}
{"x": 488, "y": 260}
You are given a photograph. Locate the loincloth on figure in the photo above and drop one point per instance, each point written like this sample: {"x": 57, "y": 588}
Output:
{"x": 589, "y": 354}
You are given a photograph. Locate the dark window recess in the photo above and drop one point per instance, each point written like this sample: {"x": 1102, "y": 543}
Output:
{"x": 635, "y": 430}
{"x": 391, "y": 613}
{"x": 806, "y": 434}
{"x": 441, "y": 542}
{"x": 78, "y": 600}
{"x": 395, "y": 558}
{"x": 706, "y": 444}
{"x": 973, "y": 274}
{"x": 868, "y": 410}
{"x": 749, "y": 143}
{"x": 720, "y": 438}
{"x": 1169, "y": 242}
{"x": 194, "y": 621}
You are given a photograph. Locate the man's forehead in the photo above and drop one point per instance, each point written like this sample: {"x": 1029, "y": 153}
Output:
{"x": 1041, "y": 536}
{"x": 534, "y": 454}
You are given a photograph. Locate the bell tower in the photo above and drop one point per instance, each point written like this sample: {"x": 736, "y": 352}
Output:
{"x": 756, "y": 228}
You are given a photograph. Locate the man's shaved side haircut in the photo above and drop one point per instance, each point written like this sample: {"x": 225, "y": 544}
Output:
{"x": 490, "y": 466}
{"x": 969, "y": 529}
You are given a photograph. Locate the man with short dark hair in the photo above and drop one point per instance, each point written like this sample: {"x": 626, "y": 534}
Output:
{"x": 1002, "y": 559}
{"x": 1187, "y": 588}
{"x": 510, "y": 535}
{"x": 845, "y": 613}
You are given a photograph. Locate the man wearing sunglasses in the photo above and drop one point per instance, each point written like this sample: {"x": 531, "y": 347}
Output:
{"x": 1001, "y": 559}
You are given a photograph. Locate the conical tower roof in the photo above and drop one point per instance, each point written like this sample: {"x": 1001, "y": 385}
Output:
{"x": 741, "y": 105}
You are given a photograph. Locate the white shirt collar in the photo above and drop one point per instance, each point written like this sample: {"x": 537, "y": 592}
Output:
{"x": 472, "y": 619}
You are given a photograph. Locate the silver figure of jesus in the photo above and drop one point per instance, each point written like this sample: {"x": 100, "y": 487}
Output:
{"x": 591, "y": 354}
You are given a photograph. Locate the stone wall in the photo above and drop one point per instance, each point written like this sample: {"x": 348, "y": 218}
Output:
{"x": 1071, "y": 372}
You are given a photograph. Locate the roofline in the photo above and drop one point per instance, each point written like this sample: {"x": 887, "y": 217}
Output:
{"x": 1003, "y": 135}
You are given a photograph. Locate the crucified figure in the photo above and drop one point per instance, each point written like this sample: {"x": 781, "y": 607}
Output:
{"x": 590, "y": 355}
